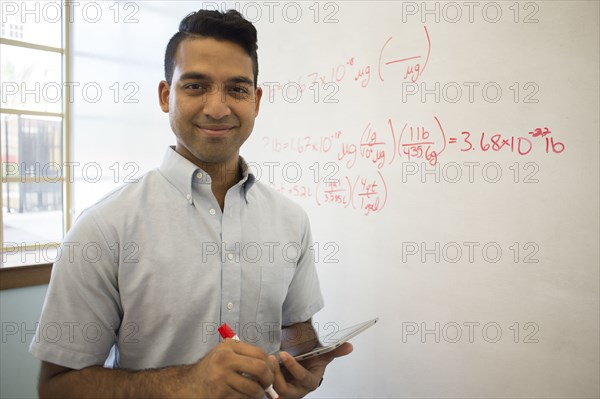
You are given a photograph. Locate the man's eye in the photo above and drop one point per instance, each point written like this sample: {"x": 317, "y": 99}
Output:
{"x": 240, "y": 90}
{"x": 195, "y": 86}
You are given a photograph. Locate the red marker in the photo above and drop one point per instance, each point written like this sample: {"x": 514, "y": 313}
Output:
{"x": 227, "y": 332}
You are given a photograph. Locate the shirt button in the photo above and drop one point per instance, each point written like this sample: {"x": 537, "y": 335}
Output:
{"x": 229, "y": 306}
{"x": 189, "y": 198}
{"x": 230, "y": 256}
{"x": 199, "y": 176}
{"x": 212, "y": 212}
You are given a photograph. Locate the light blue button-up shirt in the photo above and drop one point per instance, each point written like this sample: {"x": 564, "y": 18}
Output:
{"x": 155, "y": 267}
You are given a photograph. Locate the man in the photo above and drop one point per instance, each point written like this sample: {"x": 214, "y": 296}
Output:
{"x": 195, "y": 243}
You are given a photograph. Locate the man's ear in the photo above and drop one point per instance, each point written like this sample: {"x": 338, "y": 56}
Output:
{"x": 257, "y": 98}
{"x": 164, "y": 90}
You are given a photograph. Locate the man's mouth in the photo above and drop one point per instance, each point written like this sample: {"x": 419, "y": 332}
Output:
{"x": 215, "y": 130}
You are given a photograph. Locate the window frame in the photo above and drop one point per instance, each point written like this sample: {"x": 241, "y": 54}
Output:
{"x": 29, "y": 274}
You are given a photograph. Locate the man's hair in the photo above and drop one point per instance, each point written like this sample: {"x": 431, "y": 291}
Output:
{"x": 229, "y": 26}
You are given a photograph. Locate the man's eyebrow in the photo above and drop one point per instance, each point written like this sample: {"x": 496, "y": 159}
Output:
{"x": 201, "y": 76}
{"x": 241, "y": 79}
{"x": 194, "y": 76}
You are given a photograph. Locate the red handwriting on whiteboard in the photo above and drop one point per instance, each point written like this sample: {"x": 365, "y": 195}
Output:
{"x": 381, "y": 144}
{"x": 372, "y": 146}
{"x": 338, "y": 193}
{"x": 539, "y": 132}
{"x": 415, "y": 64}
{"x": 422, "y": 141}
{"x": 293, "y": 190}
{"x": 336, "y": 74}
{"x": 308, "y": 143}
{"x": 497, "y": 142}
{"x": 364, "y": 75}
{"x": 348, "y": 154}
{"x": 367, "y": 194}
{"x": 372, "y": 193}
{"x": 357, "y": 70}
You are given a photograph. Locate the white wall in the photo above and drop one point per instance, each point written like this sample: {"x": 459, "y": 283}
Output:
{"x": 19, "y": 314}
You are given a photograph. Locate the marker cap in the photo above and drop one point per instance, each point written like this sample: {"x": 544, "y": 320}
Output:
{"x": 226, "y": 331}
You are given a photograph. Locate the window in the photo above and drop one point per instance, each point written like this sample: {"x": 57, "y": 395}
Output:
{"x": 34, "y": 134}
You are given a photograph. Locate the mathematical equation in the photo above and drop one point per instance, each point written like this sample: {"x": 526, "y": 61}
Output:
{"x": 381, "y": 145}
{"x": 355, "y": 70}
{"x": 367, "y": 194}
{"x": 385, "y": 144}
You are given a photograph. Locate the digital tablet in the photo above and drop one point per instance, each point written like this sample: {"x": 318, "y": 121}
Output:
{"x": 333, "y": 340}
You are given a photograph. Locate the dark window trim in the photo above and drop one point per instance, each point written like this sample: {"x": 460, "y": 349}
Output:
{"x": 24, "y": 276}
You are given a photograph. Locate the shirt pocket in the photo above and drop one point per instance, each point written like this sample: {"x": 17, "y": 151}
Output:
{"x": 274, "y": 282}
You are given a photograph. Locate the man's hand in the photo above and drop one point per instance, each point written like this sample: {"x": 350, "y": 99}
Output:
{"x": 219, "y": 373}
{"x": 303, "y": 377}
{"x": 216, "y": 375}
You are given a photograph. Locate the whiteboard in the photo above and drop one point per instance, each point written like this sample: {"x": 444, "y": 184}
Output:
{"x": 447, "y": 156}
{"x": 448, "y": 159}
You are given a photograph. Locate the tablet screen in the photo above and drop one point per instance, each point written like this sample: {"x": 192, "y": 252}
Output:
{"x": 333, "y": 340}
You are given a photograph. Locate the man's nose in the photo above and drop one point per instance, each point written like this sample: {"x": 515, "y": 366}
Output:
{"x": 215, "y": 104}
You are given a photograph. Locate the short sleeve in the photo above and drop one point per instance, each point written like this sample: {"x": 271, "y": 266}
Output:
{"x": 304, "y": 297}
{"x": 82, "y": 309}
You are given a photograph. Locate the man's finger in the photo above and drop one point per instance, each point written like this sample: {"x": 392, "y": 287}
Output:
{"x": 243, "y": 386}
{"x": 300, "y": 374}
{"x": 280, "y": 381}
{"x": 345, "y": 349}
{"x": 242, "y": 348}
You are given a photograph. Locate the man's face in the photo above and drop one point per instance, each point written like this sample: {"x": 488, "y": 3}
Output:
{"x": 211, "y": 101}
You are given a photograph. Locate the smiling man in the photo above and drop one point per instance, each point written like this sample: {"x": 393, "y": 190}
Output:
{"x": 212, "y": 101}
{"x": 193, "y": 244}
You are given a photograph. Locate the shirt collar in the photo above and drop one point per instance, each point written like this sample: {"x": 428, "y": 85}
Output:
{"x": 180, "y": 172}
{"x": 248, "y": 177}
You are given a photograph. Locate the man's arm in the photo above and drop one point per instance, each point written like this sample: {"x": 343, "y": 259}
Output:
{"x": 217, "y": 375}
{"x": 300, "y": 336}
{"x": 61, "y": 382}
